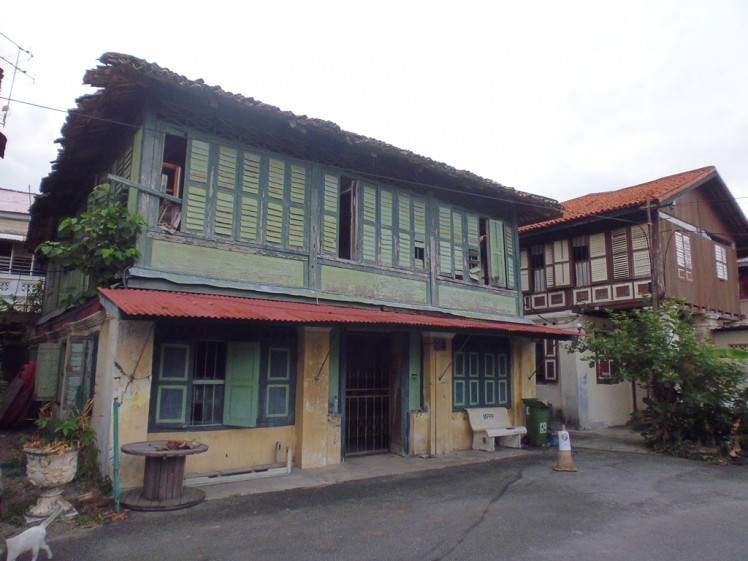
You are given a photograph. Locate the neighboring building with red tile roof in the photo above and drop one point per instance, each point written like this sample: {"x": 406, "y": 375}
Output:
{"x": 676, "y": 236}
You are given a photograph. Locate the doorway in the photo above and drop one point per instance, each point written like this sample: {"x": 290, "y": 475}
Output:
{"x": 367, "y": 394}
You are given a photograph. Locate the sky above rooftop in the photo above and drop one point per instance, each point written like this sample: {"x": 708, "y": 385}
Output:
{"x": 555, "y": 98}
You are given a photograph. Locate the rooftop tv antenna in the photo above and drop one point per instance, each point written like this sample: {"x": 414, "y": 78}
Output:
{"x": 16, "y": 70}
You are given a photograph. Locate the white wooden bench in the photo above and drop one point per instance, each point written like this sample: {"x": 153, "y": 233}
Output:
{"x": 491, "y": 422}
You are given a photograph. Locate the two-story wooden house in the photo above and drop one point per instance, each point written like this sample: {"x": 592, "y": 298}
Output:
{"x": 675, "y": 237}
{"x": 299, "y": 287}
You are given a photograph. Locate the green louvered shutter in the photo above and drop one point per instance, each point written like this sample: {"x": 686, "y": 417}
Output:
{"x": 330, "y": 215}
{"x": 197, "y": 188}
{"x": 457, "y": 248}
{"x": 498, "y": 259}
{"x": 419, "y": 233}
{"x": 297, "y": 207}
{"x": 274, "y": 213}
{"x": 404, "y": 230}
{"x": 445, "y": 241}
{"x": 242, "y": 388}
{"x": 387, "y": 252}
{"x": 510, "y": 256}
{"x": 123, "y": 168}
{"x": 225, "y": 192}
{"x": 473, "y": 245}
{"x": 249, "y": 219}
{"x": 47, "y": 371}
{"x": 369, "y": 223}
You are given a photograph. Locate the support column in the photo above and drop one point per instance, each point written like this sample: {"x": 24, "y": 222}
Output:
{"x": 124, "y": 371}
{"x": 437, "y": 390}
{"x": 523, "y": 382}
{"x": 313, "y": 435}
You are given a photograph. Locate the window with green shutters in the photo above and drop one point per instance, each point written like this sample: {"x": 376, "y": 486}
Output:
{"x": 502, "y": 254}
{"x": 474, "y": 249}
{"x": 480, "y": 373}
{"x": 204, "y": 383}
{"x": 366, "y": 222}
{"x": 245, "y": 196}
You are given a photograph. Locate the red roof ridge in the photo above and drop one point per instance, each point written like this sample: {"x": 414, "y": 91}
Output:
{"x": 657, "y": 190}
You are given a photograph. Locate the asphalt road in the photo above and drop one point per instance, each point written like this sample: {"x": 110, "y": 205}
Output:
{"x": 618, "y": 506}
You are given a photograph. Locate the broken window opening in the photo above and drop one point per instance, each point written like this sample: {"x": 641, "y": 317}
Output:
{"x": 346, "y": 218}
{"x": 172, "y": 181}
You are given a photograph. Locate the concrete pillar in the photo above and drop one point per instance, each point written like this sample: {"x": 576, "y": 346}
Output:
{"x": 437, "y": 389}
{"x": 314, "y": 433}
{"x": 522, "y": 360}
{"x": 123, "y": 370}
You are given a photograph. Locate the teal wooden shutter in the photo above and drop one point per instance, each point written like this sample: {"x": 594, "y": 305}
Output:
{"x": 47, "y": 371}
{"x": 278, "y": 384}
{"x": 173, "y": 379}
{"x": 197, "y": 187}
{"x": 404, "y": 230}
{"x": 419, "y": 233}
{"x": 473, "y": 247}
{"x": 250, "y": 217}
{"x": 510, "y": 256}
{"x": 297, "y": 207}
{"x": 386, "y": 208}
{"x": 330, "y": 215}
{"x": 78, "y": 384}
{"x": 274, "y": 212}
{"x": 496, "y": 247}
{"x": 445, "y": 241}
{"x": 369, "y": 223}
{"x": 225, "y": 191}
{"x": 242, "y": 384}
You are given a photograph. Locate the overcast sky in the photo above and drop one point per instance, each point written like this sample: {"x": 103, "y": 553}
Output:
{"x": 557, "y": 98}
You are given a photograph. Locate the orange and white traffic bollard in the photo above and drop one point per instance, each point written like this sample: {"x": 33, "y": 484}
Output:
{"x": 565, "y": 462}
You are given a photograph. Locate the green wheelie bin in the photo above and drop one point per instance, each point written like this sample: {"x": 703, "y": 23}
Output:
{"x": 537, "y": 413}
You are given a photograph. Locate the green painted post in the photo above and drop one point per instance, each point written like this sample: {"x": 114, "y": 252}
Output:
{"x": 115, "y": 439}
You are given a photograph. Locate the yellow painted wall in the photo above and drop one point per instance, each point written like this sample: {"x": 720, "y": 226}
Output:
{"x": 419, "y": 435}
{"x": 123, "y": 370}
{"x": 317, "y": 440}
{"x": 437, "y": 390}
{"x": 233, "y": 449}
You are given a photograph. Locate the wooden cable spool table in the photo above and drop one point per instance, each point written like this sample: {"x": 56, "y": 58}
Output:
{"x": 163, "y": 480}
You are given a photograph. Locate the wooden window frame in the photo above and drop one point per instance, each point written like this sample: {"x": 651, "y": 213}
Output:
{"x": 604, "y": 371}
{"x": 683, "y": 256}
{"x": 219, "y": 384}
{"x": 720, "y": 262}
{"x": 546, "y": 356}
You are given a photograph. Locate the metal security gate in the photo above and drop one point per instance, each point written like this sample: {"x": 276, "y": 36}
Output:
{"x": 367, "y": 394}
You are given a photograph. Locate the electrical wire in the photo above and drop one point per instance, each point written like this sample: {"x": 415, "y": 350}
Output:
{"x": 430, "y": 186}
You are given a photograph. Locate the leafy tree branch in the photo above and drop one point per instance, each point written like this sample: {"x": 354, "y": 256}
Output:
{"x": 100, "y": 242}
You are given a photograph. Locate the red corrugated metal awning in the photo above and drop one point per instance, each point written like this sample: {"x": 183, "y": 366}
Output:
{"x": 156, "y": 303}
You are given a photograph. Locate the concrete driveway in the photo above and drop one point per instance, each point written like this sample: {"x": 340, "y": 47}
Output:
{"x": 620, "y": 505}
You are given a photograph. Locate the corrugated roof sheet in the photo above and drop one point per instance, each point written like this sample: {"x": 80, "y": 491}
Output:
{"x": 600, "y": 203}
{"x": 155, "y": 303}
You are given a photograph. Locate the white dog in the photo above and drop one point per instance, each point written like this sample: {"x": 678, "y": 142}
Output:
{"x": 31, "y": 540}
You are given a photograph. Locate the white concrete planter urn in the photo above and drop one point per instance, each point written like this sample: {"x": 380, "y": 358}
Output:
{"x": 50, "y": 470}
